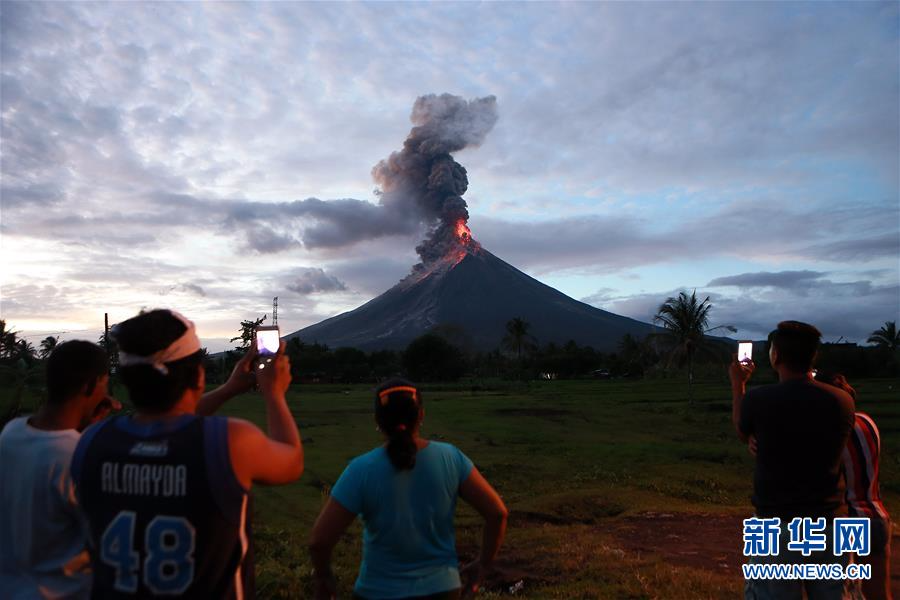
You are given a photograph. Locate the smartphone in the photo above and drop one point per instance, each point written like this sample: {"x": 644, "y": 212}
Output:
{"x": 268, "y": 339}
{"x": 745, "y": 352}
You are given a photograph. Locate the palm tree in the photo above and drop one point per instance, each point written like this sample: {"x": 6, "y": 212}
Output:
{"x": 886, "y": 337}
{"x": 47, "y": 345}
{"x": 517, "y": 337}
{"x": 8, "y": 341}
{"x": 25, "y": 351}
{"x": 686, "y": 323}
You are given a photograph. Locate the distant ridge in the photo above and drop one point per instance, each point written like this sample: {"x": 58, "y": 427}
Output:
{"x": 477, "y": 294}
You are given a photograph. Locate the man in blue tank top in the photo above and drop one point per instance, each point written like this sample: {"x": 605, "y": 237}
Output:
{"x": 165, "y": 491}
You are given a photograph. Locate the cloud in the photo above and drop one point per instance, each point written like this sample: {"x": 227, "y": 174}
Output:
{"x": 40, "y": 194}
{"x": 608, "y": 243}
{"x": 849, "y": 309}
{"x": 189, "y": 288}
{"x": 372, "y": 275}
{"x": 863, "y": 249}
{"x": 312, "y": 280}
{"x": 781, "y": 279}
{"x": 226, "y": 144}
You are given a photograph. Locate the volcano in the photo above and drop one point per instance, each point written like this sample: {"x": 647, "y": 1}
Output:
{"x": 477, "y": 293}
{"x": 458, "y": 286}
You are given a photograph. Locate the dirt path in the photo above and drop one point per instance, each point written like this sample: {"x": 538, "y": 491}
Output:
{"x": 703, "y": 541}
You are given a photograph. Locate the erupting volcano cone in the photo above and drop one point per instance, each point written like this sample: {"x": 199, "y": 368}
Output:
{"x": 474, "y": 290}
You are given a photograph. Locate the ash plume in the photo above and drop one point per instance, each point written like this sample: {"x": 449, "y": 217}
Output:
{"x": 419, "y": 185}
{"x": 423, "y": 179}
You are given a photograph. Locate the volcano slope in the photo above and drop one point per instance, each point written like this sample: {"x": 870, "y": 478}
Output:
{"x": 478, "y": 293}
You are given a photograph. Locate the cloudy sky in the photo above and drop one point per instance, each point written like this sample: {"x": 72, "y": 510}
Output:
{"x": 208, "y": 157}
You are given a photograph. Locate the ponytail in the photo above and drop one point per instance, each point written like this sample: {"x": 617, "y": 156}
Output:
{"x": 398, "y": 405}
{"x": 401, "y": 450}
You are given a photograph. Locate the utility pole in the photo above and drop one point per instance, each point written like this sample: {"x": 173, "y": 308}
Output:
{"x": 275, "y": 311}
{"x": 106, "y": 341}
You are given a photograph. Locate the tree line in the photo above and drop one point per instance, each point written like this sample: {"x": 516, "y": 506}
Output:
{"x": 683, "y": 342}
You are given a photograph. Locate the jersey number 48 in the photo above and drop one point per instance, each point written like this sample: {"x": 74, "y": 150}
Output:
{"x": 168, "y": 553}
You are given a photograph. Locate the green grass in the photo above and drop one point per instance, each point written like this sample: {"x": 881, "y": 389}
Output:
{"x": 570, "y": 458}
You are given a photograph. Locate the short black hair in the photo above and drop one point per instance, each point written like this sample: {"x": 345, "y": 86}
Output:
{"x": 796, "y": 344}
{"x": 73, "y": 366}
{"x": 146, "y": 334}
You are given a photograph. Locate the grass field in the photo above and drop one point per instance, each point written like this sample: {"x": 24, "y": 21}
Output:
{"x": 590, "y": 470}
{"x": 617, "y": 489}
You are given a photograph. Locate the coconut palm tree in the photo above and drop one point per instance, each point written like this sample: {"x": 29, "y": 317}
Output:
{"x": 886, "y": 337}
{"x": 8, "y": 341}
{"x": 686, "y": 323}
{"x": 47, "y": 345}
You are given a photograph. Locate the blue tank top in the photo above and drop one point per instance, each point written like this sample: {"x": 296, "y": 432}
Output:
{"x": 166, "y": 513}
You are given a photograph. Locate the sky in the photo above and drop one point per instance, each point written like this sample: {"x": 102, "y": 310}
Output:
{"x": 210, "y": 156}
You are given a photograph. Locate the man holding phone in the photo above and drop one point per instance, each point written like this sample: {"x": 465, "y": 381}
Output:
{"x": 801, "y": 427}
{"x": 166, "y": 490}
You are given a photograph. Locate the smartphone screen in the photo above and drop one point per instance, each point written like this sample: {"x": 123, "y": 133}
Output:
{"x": 745, "y": 351}
{"x": 267, "y": 340}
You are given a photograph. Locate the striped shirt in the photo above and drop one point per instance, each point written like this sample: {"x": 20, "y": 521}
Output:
{"x": 860, "y": 460}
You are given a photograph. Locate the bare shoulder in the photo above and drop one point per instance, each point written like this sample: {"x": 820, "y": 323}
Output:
{"x": 241, "y": 429}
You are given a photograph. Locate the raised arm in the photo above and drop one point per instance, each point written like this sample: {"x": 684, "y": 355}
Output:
{"x": 241, "y": 380}
{"x": 739, "y": 373}
{"x": 478, "y": 492}
{"x": 275, "y": 457}
{"x": 333, "y": 521}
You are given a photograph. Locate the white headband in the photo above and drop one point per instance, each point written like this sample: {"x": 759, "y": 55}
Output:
{"x": 184, "y": 346}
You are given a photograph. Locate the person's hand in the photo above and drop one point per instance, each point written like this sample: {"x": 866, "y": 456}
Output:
{"x": 740, "y": 372}
{"x": 324, "y": 586}
{"x": 751, "y": 445}
{"x": 103, "y": 408}
{"x": 472, "y": 576}
{"x": 242, "y": 378}
{"x": 273, "y": 374}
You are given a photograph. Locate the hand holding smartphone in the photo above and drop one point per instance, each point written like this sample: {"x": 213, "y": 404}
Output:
{"x": 268, "y": 340}
{"x": 745, "y": 352}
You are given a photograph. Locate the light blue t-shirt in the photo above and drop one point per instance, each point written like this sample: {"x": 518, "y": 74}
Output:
{"x": 409, "y": 544}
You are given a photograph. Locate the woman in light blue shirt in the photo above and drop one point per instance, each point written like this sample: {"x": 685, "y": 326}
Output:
{"x": 406, "y": 493}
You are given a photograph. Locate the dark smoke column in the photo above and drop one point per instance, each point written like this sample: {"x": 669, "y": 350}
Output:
{"x": 423, "y": 181}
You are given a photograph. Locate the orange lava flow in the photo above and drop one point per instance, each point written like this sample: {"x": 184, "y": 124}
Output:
{"x": 465, "y": 242}
{"x": 463, "y": 232}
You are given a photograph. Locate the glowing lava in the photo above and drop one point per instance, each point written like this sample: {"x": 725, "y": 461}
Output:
{"x": 463, "y": 232}
{"x": 464, "y": 243}
{"x": 457, "y": 244}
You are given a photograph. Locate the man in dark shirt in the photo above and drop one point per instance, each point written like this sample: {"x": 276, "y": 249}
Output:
{"x": 801, "y": 427}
